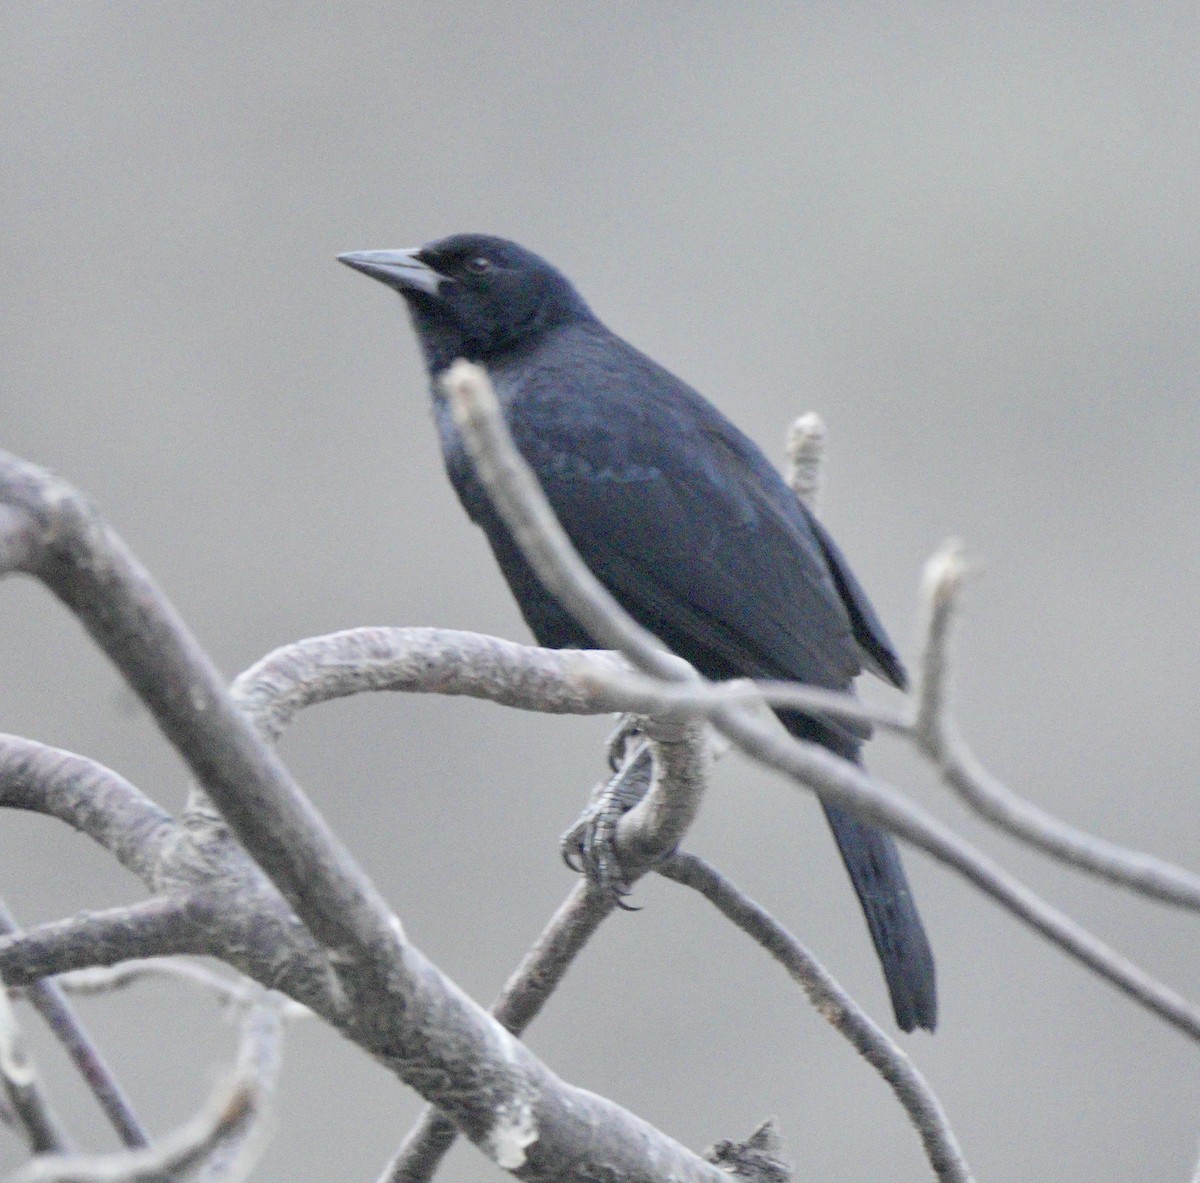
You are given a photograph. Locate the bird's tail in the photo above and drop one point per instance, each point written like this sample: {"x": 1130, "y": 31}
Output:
{"x": 878, "y": 876}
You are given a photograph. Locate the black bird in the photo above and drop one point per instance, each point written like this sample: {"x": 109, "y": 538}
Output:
{"x": 674, "y": 510}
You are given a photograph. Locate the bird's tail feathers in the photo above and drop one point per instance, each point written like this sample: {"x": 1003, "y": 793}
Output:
{"x": 873, "y": 863}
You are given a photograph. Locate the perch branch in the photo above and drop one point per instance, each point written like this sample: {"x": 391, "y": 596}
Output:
{"x": 524, "y": 677}
{"x": 300, "y": 675}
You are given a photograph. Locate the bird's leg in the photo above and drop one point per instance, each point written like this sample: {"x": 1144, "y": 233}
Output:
{"x": 590, "y": 845}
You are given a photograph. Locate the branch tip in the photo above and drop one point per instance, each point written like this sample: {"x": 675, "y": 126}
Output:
{"x": 943, "y": 575}
{"x": 805, "y": 448}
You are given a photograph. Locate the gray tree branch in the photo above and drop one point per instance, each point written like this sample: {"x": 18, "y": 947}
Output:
{"x": 87, "y": 796}
{"x": 937, "y": 736}
{"x": 220, "y": 1144}
{"x": 148, "y": 929}
{"x": 837, "y": 1007}
{"x": 47, "y": 998}
{"x": 393, "y": 1002}
{"x": 26, "y": 1099}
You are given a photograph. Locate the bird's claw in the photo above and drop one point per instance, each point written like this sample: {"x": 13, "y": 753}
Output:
{"x": 589, "y": 847}
{"x": 621, "y": 741}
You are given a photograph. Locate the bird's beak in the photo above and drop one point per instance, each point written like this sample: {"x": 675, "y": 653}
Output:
{"x": 401, "y": 270}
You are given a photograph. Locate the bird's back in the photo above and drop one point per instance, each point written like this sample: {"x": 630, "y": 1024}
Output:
{"x": 673, "y": 509}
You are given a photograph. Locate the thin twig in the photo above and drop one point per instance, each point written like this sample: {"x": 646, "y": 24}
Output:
{"x": 48, "y": 1000}
{"x": 231, "y": 991}
{"x": 836, "y": 1006}
{"x": 938, "y": 737}
{"x": 222, "y": 1142}
{"x": 43, "y": 1131}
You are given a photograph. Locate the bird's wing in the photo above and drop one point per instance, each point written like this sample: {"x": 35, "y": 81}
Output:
{"x": 699, "y": 549}
{"x": 878, "y": 653}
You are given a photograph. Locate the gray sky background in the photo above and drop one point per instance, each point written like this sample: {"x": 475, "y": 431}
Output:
{"x": 966, "y": 234}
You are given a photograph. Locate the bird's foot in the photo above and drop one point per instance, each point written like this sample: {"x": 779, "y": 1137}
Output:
{"x": 589, "y": 847}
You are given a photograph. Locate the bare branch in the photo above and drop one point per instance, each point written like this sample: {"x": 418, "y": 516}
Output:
{"x": 760, "y": 1159}
{"x": 660, "y": 821}
{"x": 147, "y": 929}
{"x": 230, "y": 991}
{"x": 48, "y": 1000}
{"x": 643, "y": 695}
{"x": 86, "y": 795}
{"x": 938, "y": 738}
{"x": 805, "y": 453}
{"x": 550, "y": 681}
{"x": 442, "y": 661}
{"x": 26, "y": 1099}
{"x": 226, "y": 1113}
{"x": 882, "y": 805}
{"x": 260, "y": 1061}
{"x": 398, "y": 1006}
{"x": 422, "y": 660}
{"x": 520, "y": 502}
{"x": 836, "y": 1007}
{"x": 222, "y": 1142}
{"x": 652, "y": 829}
{"x": 517, "y": 1005}
{"x": 89, "y": 568}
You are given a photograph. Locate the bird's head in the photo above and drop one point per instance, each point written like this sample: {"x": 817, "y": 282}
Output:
{"x": 473, "y": 295}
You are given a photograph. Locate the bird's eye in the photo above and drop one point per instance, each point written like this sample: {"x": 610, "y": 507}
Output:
{"x": 480, "y": 265}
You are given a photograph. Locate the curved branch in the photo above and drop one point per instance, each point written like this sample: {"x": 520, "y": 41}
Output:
{"x": 222, "y": 1142}
{"x": 525, "y": 677}
{"x": 835, "y": 1006}
{"x": 152, "y": 928}
{"x": 228, "y": 990}
{"x": 938, "y": 738}
{"x": 93, "y": 799}
{"x": 422, "y": 660}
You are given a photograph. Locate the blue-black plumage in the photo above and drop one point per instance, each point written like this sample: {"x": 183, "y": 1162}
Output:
{"x": 675, "y": 511}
